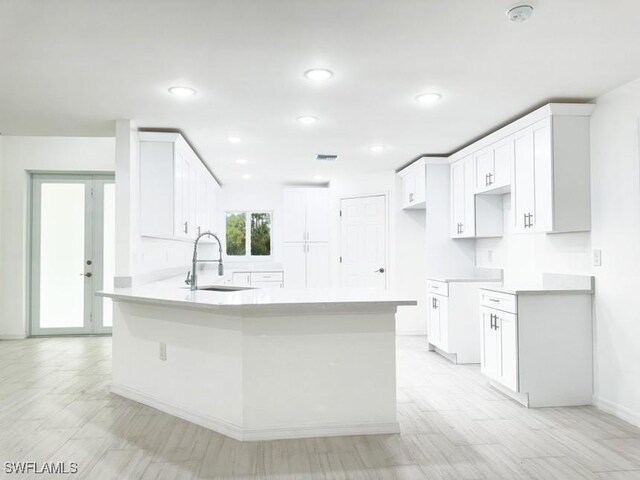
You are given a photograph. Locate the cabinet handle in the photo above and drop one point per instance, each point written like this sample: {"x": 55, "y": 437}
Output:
{"x": 495, "y": 300}
{"x": 525, "y": 221}
{"x": 495, "y": 322}
{"x": 486, "y": 180}
{"x": 185, "y": 227}
{"x": 411, "y": 197}
{"x": 490, "y": 178}
{"x": 491, "y": 321}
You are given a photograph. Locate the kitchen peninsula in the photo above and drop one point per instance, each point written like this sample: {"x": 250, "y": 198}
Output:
{"x": 260, "y": 364}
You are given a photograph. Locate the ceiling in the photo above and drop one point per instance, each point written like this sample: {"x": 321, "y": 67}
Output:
{"x": 71, "y": 67}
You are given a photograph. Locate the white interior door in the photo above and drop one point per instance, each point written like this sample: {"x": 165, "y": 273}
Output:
{"x": 363, "y": 231}
{"x": 72, "y": 253}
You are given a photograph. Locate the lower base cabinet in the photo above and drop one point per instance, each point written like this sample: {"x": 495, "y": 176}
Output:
{"x": 452, "y": 310}
{"x": 537, "y": 346}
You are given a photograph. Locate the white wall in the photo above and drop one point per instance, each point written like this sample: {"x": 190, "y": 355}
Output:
{"x": 615, "y": 175}
{"x": 254, "y": 196}
{"x": 19, "y": 156}
{"x": 524, "y": 257}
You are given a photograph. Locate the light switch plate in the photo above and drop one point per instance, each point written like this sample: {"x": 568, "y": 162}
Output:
{"x": 597, "y": 258}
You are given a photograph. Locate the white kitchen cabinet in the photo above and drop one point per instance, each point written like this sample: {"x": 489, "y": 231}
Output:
{"x": 306, "y": 214}
{"x": 493, "y": 167}
{"x": 413, "y": 180}
{"x": 306, "y": 265}
{"x": 177, "y": 192}
{"x": 472, "y": 216}
{"x": 551, "y": 176}
{"x": 452, "y": 312}
{"x": 537, "y": 345}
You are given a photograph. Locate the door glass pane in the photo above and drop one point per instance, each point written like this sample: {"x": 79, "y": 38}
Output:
{"x": 109, "y": 243}
{"x": 260, "y": 234}
{"x": 62, "y": 239}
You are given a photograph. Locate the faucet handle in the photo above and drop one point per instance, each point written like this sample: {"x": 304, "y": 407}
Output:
{"x": 188, "y": 279}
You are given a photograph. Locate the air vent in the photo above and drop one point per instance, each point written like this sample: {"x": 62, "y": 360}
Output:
{"x": 326, "y": 158}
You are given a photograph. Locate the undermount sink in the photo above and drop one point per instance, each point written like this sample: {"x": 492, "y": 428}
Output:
{"x": 224, "y": 288}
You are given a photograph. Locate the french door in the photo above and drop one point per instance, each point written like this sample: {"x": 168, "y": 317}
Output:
{"x": 72, "y": 253}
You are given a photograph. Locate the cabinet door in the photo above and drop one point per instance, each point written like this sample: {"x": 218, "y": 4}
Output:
{"x": 502, "y": 152}
{"x": 181, "y": 196}
{"x": 484, "y": 169}
{"x": 507, "y": 331}
{"x": 457, "y": 198}
{"x": 317, "y": 215}
{"x": 523, "y": 181}
{"x": 434, "y": 321}
{"x": 201, "y": 203}
{"x": 469, "y": 224}
{"x": 442, "y": 305}
{"x": 295, "y": 265}
{"x": 542, "y": 221}
{"x": 267, "y": 284}
{"x": 318, "y": 265}
{"x": 490, "y": 348}
{"x": 408, "y": 189}
{"x": 294, "y": 215}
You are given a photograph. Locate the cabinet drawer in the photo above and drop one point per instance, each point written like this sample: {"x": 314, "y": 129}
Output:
{"x": 437, "y": 287}
{"x": 267, "y": 284}
{"x": 266, "y": 277}
{"x": 500, "y": 301}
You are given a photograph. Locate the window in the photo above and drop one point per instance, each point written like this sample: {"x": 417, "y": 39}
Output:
{"x": 248, "y": 234}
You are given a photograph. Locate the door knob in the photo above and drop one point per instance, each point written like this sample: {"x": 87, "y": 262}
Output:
{"x": 380, "y": 270}
{"x": 88, "y": 274}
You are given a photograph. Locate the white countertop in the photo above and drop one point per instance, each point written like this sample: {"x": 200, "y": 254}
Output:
{"x": 169, "y": 292}
{"x": 463, "y": 279}
{"x": 550, "y": 283}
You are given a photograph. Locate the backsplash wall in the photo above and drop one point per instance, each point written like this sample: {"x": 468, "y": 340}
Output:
{"x": 524, "y": 257}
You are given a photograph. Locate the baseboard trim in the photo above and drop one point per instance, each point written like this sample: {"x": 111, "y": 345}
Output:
{"x": 13, "y": 337}
{"x": 617, "y": 410}
{"x": 239, "y": 433}
{"x": 411, "y": 333}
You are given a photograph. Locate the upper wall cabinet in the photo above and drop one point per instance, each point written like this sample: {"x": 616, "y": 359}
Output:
{"x": 551, "y": 176}
{"x": 306, "y": 214}
{"x": 493, "y": 167}
{"x": 178, "y": 195}
{"x": 413, "y": 185}
{"x": 472, "y": 216}
{"x": 542, "y": 158}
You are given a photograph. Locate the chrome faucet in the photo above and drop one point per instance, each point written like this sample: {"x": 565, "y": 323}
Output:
{"x": 192, "y": 276}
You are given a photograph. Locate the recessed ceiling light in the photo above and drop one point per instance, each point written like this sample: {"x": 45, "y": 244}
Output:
{"x": 520, "y": 13}
{"x": 241, "y": 160}
{"x": 307, "y": 119}
{"x": 246, "y": 176}
{"x": 428, "y": 98}
{"x": 318, "y": 74}
{"x": 377, "y": 148}
{"x": 182, "y": 91}
{"x": 234, "y": 139}
{"x": 317, "y": 177}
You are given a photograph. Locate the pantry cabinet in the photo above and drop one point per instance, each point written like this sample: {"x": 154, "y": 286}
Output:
{"x": 306, "y": 237}
{"x": 413, "y": 180}
{"x": 178, "y": 195}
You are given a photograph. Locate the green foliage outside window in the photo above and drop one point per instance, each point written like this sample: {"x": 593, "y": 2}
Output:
{"x": 259, "y": 233}
{"x": 236, "y": 234}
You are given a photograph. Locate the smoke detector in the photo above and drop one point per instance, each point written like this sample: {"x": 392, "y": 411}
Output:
{"x": 520, "y": 13}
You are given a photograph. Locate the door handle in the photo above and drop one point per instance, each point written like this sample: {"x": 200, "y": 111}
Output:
{"x": 380, "y": 270}
{"x": 88, "y": 275}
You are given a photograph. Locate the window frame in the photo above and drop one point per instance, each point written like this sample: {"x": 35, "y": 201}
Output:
{"x": 247, "y": 227}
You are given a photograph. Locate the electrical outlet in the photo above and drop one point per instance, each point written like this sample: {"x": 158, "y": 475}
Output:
{"x": 163, "y": 352}
{"x": 597, "y": 258}
{"x": 490, "y": 256}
